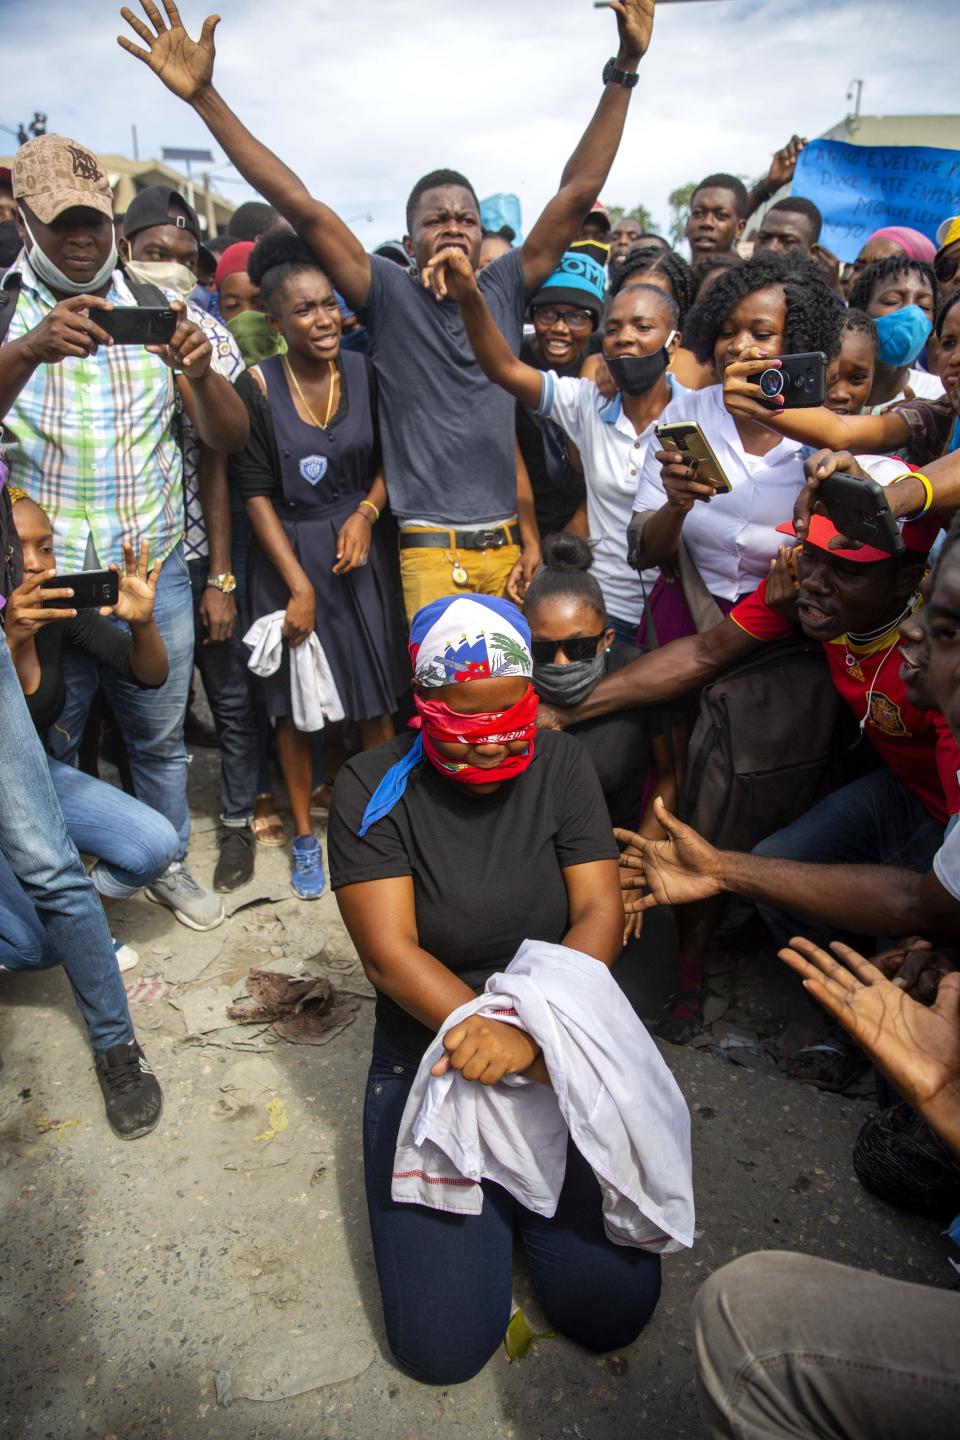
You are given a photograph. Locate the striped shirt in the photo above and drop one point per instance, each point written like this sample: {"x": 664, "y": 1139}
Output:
{"x": 92, "y": 440}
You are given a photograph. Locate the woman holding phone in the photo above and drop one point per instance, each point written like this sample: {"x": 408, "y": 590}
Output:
{"x": 132, "y": 842}
{"x": 770, "y": 305}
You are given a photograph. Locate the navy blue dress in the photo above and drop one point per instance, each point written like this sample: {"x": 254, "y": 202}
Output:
{"x": 315, "y": 478}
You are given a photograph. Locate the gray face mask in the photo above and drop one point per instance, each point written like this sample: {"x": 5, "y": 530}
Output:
{"x": 569, "y": 684}
{"x": 53, "y": 276}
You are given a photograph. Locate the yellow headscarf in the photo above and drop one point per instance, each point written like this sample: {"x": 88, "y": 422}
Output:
{"x": 16, "y": 494}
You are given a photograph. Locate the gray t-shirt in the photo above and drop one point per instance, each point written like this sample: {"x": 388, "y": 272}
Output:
{"x": 448, "y": 434}
{"x": 946, "y": 862}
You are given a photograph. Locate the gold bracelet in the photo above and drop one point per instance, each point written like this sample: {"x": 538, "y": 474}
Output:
{"x": 371, "y": 506}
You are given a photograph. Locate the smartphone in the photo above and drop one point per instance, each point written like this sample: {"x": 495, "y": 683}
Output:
{"x": 800, "y": 379}
{"x": 858, "y": 508}
{"x": 91, "y": 589}
{"x": 137, "y": 324}
{"x": 686, "y": 437}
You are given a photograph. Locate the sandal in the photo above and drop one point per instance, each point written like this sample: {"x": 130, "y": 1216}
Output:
{"x": 268, "y": 830}
{"x": 321, "y": 798}
{"x": 830, "y": 1065}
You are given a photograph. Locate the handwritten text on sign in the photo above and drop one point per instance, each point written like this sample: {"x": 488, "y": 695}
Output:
{"x": 859, "y": 188}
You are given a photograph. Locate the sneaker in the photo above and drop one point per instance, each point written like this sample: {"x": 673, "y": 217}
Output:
{"x": 131, "y": 1091}
{"x": 193, "y": 905}
{"x": 127, "y": 957}
{"x": 307, "y": 878}
{"x": 235, "y": 863}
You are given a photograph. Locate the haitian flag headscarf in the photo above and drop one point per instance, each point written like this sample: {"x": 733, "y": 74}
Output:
{"x": 453, "y": 641}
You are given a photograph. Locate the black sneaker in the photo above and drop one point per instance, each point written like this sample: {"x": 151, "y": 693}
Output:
{"x": 235, "y": 865}
{"x": 131, "y": 1091}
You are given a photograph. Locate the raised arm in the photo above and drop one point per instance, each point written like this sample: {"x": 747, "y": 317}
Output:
{"x": 822, "y": 428}
{"x": 589, "y": 165}
{"x": 186, "y": 68}
{"x": 450, "y": 273}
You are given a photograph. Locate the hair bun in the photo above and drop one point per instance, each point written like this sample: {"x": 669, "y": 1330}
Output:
{"x": 564, "y": 551}
{"x": 279, "y": 246}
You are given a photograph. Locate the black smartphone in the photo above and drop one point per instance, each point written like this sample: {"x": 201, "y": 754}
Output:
{"x": 91, "y": 589}
{"x": 137, "y": 324}
{"x": 800, "y": 379}
{"x": 858, "y": 508}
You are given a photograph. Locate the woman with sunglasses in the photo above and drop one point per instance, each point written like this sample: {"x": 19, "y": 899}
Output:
{"x": 574, "y": 648}
{"x": 640, "y": 334}
{"x": 447, "y": 850}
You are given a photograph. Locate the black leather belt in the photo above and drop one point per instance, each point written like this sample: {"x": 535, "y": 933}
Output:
{"x": 490, "y": 539}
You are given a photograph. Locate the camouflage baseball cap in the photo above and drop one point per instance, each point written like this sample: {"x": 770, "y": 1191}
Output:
{"x": 53, "y": 174}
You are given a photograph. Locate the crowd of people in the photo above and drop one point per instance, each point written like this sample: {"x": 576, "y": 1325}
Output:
{"x": 433, "y": 496}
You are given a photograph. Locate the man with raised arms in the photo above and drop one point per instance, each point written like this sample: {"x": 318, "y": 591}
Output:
{"x": 462, "y": 501}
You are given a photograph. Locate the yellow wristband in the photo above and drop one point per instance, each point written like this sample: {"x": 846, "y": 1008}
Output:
{"x": 376, "y": 513}
{"x": 927, "y": 491}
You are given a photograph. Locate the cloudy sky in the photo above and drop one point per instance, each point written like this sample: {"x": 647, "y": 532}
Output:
{"x": 363, "y": 96}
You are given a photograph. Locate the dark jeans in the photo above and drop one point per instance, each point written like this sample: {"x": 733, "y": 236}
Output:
{"x": 40, "y": 854}
{"x": 227, "y": 681}
{"x": 446, "y": 1280}
{"x": 875, "y": 820}
{"x": 23, "y": 940}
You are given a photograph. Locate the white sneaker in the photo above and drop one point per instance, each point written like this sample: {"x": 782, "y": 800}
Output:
{"x": 127, "y": 957}
{"x": 193, "y": 904}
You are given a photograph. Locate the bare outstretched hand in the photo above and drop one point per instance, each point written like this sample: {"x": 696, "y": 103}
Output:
{"x": 185, "y": 66}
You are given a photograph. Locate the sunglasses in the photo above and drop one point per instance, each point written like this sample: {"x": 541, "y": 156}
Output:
{"x": 578, "y": 647}
{"x": 946, "y": 268}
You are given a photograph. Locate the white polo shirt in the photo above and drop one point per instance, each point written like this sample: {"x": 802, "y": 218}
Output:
{"x": 733, "y": 539}
{"x": 613, "y": 454}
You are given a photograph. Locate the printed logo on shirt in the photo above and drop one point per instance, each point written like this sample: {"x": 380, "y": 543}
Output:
{"x": 313, "y": 468}
{"x": 885, "y": 716}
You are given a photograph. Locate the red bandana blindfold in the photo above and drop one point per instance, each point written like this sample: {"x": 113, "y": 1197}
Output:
{"x": 439, "y": 722}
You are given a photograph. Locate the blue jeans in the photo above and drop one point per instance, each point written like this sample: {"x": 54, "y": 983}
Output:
{"x": 23, "y": 940}
{"x": 241, "y": 730}
{"x": 133, "y": 843}
{"x": 35, "y": 844}
{"x": 875, "y": 820}
{"x": 625, "y": 631}
{"x": 446, "y": 1280}
{"x": 151, "y": 721}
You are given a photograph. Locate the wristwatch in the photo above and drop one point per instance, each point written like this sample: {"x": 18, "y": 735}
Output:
{"x": 225, "y": 582}
{"x": 613, "y": 76}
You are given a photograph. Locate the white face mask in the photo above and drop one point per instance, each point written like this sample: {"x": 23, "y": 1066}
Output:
{"x": 53, "y": 276}
{"x": 167, "y": 274}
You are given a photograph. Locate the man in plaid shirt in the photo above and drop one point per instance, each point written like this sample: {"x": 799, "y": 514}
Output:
{"x": 89, "y": 433}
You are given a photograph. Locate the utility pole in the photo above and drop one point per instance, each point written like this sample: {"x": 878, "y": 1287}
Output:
{"x": 854, "y": 93}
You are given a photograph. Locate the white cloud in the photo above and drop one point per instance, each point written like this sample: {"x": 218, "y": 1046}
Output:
{"x": 362, "y": 98}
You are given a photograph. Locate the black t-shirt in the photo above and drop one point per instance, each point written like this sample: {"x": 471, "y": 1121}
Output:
{"x": 90, "y": 632}
{"x": 487, "y": 869}
{"x": 448, "y": 432}
{"x": 619, "y": 746}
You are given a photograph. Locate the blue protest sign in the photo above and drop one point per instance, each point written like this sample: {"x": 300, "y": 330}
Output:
{"x": 859, "y": 188}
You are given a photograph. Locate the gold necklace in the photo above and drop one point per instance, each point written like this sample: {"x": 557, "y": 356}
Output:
{"x": 303, "y": 399}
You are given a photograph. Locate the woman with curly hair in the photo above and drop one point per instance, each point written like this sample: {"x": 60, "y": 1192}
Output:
{"x": 770, "y": 305}
{"x": 311, "y": 479}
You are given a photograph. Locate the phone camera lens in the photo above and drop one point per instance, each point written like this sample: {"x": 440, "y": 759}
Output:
{"x": 771, "y": 383}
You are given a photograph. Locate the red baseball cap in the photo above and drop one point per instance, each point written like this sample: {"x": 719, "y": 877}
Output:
{"x": 918, "y": 536}
{"x": 234, "y": 259}
{"x": 598, "y": 208}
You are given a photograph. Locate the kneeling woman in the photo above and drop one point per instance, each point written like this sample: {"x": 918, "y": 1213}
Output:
{"x": 310, "y": 478}
{"x": 446, "y": 853}
{"x": 132, "y": 842}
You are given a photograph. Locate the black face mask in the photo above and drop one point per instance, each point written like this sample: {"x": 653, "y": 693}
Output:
{"x": 635, "y": 374}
